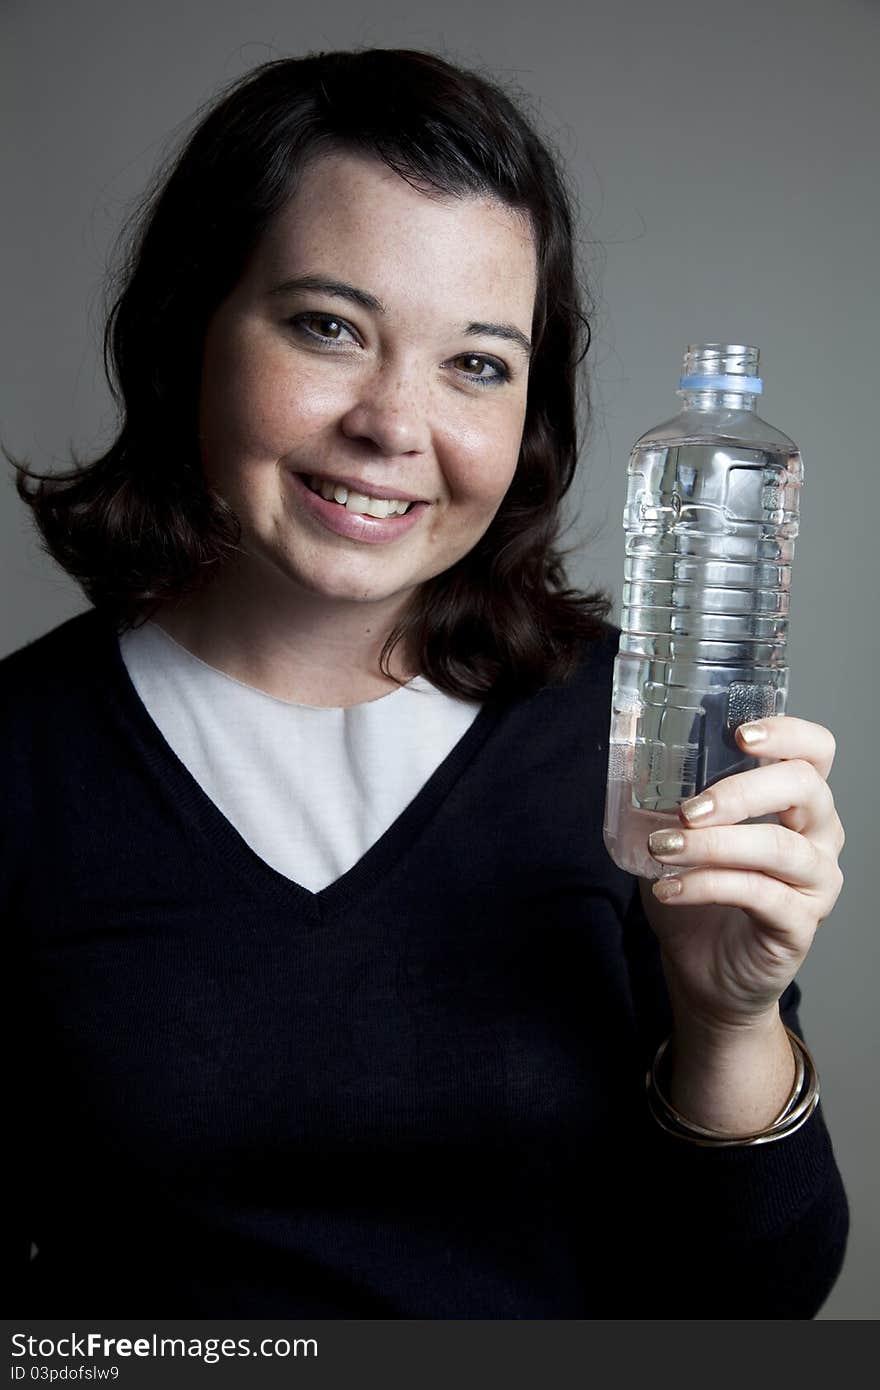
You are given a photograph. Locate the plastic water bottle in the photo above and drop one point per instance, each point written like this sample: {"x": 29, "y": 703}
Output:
{"x": 710, "y": 521}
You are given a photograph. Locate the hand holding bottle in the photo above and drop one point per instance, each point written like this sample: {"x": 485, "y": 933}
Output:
{"x": 737, "y": 932}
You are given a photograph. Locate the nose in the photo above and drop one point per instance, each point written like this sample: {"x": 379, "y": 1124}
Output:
{"x": 390, "y": 412}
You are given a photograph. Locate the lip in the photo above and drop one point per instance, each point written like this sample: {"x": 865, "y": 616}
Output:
{"x": 368, "y": 489}
{"x": 372, "y": 530}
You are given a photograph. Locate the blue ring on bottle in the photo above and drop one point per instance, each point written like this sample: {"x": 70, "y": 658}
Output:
{"x": 745, "y": 385}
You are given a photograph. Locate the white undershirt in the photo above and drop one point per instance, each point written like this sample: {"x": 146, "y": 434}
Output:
{"x": 309, "y": 789}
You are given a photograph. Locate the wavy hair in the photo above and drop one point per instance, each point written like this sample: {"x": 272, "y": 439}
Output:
{"x": 139, "y": 526}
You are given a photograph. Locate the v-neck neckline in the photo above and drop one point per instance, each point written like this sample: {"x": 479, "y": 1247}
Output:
{"x": 229, "y": 848}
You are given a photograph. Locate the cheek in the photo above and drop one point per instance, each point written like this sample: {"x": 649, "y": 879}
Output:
{"x": 486, "y": 460}
{"x": 256, "y": 407}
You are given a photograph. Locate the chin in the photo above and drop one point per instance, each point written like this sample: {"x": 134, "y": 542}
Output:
{"x": 348, "y": 589}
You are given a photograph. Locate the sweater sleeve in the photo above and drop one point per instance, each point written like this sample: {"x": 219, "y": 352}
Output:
{"x": 18, "y": 1233}
{"x": 20, "y": 840}
{"x": 752, "y": 1232}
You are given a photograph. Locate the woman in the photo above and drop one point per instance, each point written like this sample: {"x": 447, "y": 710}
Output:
{"x": 339, "y": 1006}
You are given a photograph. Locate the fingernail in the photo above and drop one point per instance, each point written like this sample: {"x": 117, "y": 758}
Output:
{"x": 666, "y": 888}
{"x": 752, "y": 734}
{"x": 698, "y": 808}
{"x": 666, "y": 842}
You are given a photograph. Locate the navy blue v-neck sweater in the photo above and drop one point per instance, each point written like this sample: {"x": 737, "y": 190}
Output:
{"x": 418, "y": 1093}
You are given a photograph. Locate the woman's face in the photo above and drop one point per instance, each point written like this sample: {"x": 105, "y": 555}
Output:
{"x": 377, "y": 341}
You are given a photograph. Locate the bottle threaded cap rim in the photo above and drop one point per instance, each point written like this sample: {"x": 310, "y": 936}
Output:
{"x": 721, "y": 367}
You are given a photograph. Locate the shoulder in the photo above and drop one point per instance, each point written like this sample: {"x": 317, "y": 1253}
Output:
{"x": 576, "y": 708}
{"x": 36, "y": 673}
{"x": 66, "y": 637}
{"x": 590, "y": 675}
{"x": 51, "y": 714}
{"x": 596, "y": 656}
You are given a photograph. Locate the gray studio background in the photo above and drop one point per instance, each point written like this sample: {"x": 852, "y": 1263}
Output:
{"x": 725, "y": 161}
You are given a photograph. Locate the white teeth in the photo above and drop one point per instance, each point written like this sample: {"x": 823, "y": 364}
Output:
{"x": 359, "y": 502}
{"x": 325, "y": 488}
{"x": 380, "y": 506}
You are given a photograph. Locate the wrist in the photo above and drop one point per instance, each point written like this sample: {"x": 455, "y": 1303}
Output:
{"x": 733, "y": 1080}
{"x": 705, "y": 1022}
{"x": 799, "y": 1105}
{"x": 712, "y": 1034}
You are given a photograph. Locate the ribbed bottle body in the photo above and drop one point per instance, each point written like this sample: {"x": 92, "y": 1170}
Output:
{"x": 710, "y": 524}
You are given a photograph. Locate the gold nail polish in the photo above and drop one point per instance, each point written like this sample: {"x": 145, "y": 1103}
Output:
{"x": 752, "y": 734}
{"x": 698, "y": 808}
{"x": 666, "y": 888}
{"x": 666, "y": 842}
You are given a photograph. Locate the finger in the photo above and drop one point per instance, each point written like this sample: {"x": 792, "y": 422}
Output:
{"x": 769, "y": 849}
{"x": 788, "y": 737}
{"x": 793, "y": 789}
{"x": 791, "y": 915}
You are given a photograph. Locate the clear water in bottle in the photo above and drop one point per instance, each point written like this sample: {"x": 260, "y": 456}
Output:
{"x": 710, "y": 524}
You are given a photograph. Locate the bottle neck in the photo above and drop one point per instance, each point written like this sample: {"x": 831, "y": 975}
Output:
{"x": 718, "y": 400}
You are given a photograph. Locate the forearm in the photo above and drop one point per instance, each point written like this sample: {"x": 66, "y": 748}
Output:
{"x": 735, "y": 1082}
{"x": 744, "y": 1232}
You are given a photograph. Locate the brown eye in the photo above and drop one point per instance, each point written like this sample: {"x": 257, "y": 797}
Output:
{"x": 324, "y": 327}
{"x": 475, "y": 365}
{"x": 329, "y": 328}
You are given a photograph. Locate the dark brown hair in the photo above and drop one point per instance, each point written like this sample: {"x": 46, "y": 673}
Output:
{"x": 139, "y": 526}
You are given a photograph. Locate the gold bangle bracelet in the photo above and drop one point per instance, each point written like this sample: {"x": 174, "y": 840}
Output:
{"x": 800, "y": 1105}
{"x": 676, "y": 1116}
{"x": 799, "y": 1074}
{"x": 745, "y": 1141}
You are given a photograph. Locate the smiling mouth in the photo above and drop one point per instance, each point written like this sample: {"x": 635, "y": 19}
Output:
{"x": 357, "y": 502}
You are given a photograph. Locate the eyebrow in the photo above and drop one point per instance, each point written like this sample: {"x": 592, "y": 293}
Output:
{"x": 338, "y": 289}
